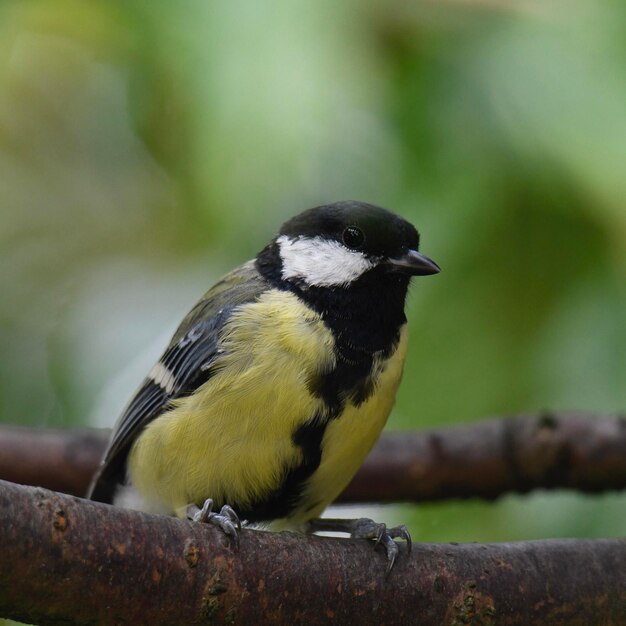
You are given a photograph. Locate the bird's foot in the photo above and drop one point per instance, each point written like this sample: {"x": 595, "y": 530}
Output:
{"x": 226, "y": 520}
{"x": 365, "y": 528}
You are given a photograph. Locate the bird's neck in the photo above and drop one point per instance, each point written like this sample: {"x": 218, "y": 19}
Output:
{"x": 365, "y": 316}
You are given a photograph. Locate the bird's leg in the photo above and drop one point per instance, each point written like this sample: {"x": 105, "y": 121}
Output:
{"x": 365, "y": 528}
{"x": 226, "y": 520}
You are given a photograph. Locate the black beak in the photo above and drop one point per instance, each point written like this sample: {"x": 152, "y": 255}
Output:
{"x": 413, "y": 263}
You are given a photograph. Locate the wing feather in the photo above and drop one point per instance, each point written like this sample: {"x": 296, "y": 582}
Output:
{"x": 184, "y": 366}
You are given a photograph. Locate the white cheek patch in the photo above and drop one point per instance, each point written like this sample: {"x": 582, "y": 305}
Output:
{"x": 320, "y": 262}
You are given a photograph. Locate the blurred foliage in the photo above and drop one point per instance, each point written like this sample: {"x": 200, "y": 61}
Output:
{"x": 147, "y": 147}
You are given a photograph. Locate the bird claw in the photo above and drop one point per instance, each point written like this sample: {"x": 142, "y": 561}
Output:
{"x": 229, "y": 512}
{"x": 365, "y": 528}
{"x": 391, "y": 548}
{"x": 401, "y": 532}
{"x": 226, "y": 520}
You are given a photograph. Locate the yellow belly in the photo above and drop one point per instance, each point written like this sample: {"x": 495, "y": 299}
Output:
{"x": 232, "y": 439}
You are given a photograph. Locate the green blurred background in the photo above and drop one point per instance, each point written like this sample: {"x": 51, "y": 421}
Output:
{"x": 148, "y": 147}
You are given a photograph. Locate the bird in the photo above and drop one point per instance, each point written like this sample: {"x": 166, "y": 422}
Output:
{"x": 277, "y": 383}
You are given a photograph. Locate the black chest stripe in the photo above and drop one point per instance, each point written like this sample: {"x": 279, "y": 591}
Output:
{"x": 285, "y": 499}
{"x": 353, "y": 379}
{"x": 349, "y": 381}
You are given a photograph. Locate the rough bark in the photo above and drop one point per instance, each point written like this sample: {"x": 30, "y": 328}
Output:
{"x": 485, "y": 459}
{"x": 68, "y": 561}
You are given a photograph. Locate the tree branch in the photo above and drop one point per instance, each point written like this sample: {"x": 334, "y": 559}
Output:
{"x": 67, "y": 560}
{"x": 61, "y": 460}
{"x": 485, "y": 459}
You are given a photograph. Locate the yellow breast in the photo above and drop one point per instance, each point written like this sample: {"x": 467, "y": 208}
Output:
{"x": 232, "y": 439}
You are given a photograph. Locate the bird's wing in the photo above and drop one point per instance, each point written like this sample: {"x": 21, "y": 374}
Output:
{"x": 184, "y": 366}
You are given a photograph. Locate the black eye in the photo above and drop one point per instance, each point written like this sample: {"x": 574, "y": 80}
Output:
{"x": 353, "y": 237}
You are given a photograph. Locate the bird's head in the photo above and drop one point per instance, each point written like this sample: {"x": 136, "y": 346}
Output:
{"x": 341, "y": 244}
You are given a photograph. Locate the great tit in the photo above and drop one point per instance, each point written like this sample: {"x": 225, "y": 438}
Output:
{"x": 277, "y": 383}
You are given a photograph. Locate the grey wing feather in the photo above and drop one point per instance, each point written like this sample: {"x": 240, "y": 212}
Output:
{"x": 187, "y": 360}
